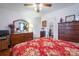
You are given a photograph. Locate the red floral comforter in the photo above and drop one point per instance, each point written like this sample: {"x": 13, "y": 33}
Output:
{"x": 46, "y": 47}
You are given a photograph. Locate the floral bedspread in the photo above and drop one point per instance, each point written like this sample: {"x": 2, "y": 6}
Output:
{"x": 46, "y": 47}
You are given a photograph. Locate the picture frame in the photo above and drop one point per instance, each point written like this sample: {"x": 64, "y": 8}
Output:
{"x": 44, "y": 23}
{"x": 70, "y": 18}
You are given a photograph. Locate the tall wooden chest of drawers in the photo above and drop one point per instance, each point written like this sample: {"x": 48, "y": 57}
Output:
{"x": 69, "y": 31}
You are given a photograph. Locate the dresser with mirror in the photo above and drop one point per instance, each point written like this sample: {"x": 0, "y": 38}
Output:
{"x": 20, "y": 32}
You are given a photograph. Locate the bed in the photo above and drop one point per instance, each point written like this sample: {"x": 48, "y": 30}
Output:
{"x": 46, "y": 47}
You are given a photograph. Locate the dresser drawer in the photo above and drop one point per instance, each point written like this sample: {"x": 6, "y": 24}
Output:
{"x": 4, "y": 44}
{"x": 69, "y": 31}
{"x": 0, "y": 44}
{"x": 19, "y": 38}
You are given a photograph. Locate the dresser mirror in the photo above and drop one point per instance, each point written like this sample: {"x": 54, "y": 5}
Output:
{"x": 21, "y": 26}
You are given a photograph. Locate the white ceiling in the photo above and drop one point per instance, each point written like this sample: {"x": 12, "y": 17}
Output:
{"x": 20, "y": 7}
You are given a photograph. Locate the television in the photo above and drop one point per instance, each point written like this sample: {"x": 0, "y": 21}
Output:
{"x": 4, "y": 33}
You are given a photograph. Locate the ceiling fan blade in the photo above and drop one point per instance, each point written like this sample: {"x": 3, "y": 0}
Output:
{"x": 28, "y": 4}
{"x": 47, "y": 5}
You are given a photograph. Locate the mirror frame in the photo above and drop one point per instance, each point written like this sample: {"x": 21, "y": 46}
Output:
{"x": 22, "y": 21}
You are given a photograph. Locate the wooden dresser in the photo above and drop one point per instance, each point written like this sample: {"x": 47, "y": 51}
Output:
{"x": 19, "y": 38}
{"x": 69, "y": 31}
{"x": 3, "y": 43}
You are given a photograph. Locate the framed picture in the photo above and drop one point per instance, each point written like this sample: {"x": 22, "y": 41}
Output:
{"x": 70, "y": 18}
{"x": 44, "y": 23}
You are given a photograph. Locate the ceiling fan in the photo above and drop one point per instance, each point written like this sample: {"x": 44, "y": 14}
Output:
{"x": 44, "y": 4}
{"x": 38, "y": 6}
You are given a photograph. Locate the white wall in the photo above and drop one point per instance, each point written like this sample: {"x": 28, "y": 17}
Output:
{"x": 55, "y": 16}
{"x": 6, "y": 17}
{"x": 34, "y": 20}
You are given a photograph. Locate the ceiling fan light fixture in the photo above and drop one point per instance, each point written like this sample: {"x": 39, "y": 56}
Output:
{"x": 34, "y": 5}
{"x": 37, "y": 7}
